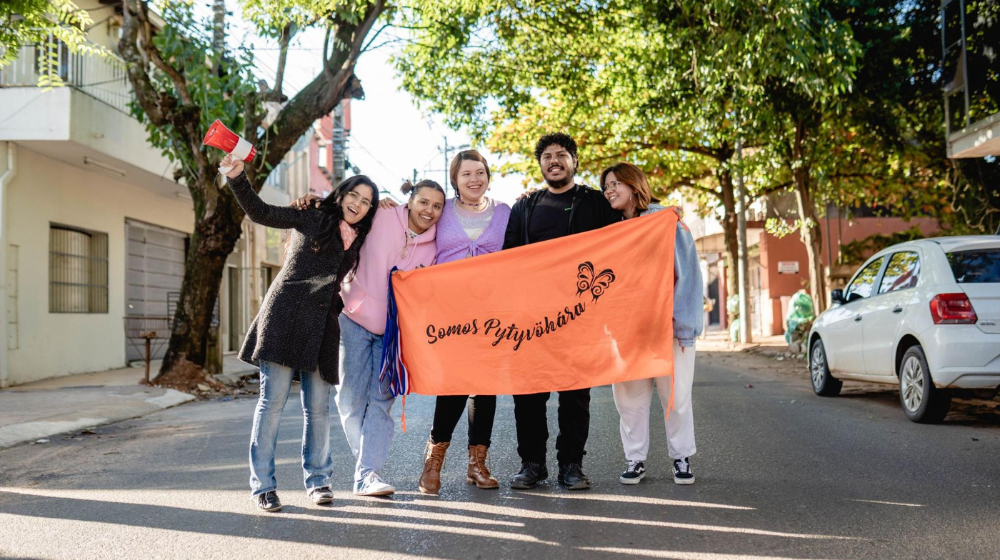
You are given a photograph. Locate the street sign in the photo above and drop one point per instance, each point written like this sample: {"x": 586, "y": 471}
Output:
{"x": 788, "y": 267}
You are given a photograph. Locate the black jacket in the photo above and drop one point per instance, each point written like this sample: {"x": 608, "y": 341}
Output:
{"x": 297, "y": 324}
{"x": 590, "y": 210}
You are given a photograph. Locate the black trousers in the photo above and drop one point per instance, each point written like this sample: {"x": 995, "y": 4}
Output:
{"x": 533, "y": 431}
{"x": 448, "y": 410}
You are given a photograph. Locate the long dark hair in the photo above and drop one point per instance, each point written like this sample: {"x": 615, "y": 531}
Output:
{"x": 333, "y": 212}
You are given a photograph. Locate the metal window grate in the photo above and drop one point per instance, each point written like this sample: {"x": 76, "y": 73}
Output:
{"x": 78, "y": 270}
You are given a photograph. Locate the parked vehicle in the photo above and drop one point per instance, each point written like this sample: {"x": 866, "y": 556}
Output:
{"x": 924, "y": 315}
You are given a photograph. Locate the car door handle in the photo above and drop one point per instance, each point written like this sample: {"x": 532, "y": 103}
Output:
{"x": 857, "y": 318}
{"x": 897, "y": 309}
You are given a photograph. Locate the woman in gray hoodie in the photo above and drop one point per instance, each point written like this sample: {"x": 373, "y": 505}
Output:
{"x": 627, "y": 189}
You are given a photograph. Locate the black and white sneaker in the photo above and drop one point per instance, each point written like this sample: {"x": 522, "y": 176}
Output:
{"x": 321, "y": 495}
{"x": 634, "y": 472}
{"x": 682, "y": 471}
{"x": 268, "y": 501}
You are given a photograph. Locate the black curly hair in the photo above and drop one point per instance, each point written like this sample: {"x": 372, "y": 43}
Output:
{"x": 564, "y": 140}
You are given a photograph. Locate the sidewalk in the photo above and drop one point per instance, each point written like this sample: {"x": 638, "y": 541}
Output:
{"x": 717, "y": 340}
{"x": 35, "y": 411}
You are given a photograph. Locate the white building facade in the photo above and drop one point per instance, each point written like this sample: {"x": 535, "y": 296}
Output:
{"x": 93, "y": 227}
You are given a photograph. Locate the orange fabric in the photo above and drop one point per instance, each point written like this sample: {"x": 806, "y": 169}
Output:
{"x": 602, "y": 302}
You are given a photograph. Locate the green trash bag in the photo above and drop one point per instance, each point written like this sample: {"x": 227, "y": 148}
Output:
{"x": 800, "y": 316}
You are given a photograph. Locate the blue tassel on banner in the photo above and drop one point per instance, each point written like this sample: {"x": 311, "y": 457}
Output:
{"x": 393, "y": 380}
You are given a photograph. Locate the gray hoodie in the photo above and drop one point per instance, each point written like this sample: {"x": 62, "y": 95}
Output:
{"x": 689, "y": 308}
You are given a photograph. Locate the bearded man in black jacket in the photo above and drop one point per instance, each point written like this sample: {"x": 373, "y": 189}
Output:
{"x": 562, "y": 209}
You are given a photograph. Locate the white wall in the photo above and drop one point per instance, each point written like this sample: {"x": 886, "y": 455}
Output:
{"x": 47, "y": 191}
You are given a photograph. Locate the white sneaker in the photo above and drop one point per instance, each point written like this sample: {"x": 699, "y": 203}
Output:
{"x": 373, "y": 485}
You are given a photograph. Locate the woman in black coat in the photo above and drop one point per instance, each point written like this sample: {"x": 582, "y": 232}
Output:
{"x": 297, "y": 328}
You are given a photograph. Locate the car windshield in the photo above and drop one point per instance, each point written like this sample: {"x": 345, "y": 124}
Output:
{"x": 975, "y": 267}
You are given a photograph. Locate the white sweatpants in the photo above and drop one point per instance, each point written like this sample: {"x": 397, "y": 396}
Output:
{"x": 632, "y": 398}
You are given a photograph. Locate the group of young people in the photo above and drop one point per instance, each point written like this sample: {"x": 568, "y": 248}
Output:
{"x": 323, "y": 319}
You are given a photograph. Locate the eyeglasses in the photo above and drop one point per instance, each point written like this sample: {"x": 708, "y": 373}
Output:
{"x": 355, "y": 197}
{"x": 611, "y": 186}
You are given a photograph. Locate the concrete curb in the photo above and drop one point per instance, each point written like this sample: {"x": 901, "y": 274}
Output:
{"x": 30, "y": 416}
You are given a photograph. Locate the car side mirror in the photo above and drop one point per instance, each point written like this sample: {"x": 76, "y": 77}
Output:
{"x": 837, "y": 296}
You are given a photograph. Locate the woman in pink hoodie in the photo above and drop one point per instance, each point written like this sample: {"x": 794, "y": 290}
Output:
{"x": 400, "y": 237}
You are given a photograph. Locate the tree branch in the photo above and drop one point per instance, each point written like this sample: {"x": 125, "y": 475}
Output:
{"x": 335, "y": 83}
{"x": 154, "y": 55}
{"x": 374, "y": 36}
{"x": 279, "y": 78}
{"x": 157, "y": 106}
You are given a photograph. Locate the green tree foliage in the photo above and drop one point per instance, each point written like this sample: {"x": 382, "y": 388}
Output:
{"x": 184, "y": 78}
{"x": 669, "y": 85}
{"x": 38, "y": 22}
{"x": 836, "y": 102}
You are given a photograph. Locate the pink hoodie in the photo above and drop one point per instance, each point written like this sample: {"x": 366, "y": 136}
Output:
{"x": 388, "y": 244}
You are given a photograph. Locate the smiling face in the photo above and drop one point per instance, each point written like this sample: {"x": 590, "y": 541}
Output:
{"x": 558, "y": 166}
{"x": 472, "y": 181}
{"x": 357, "y": 203}
{"x": 425, "y": 206}
{"x": 620, "y": 195}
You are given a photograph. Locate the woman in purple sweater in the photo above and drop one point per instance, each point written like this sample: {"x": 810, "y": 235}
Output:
{"x": 471, "y": 224}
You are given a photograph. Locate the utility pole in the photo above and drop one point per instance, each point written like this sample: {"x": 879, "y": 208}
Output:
{"x": 219, "y": 28}
{"x": 742, "y": 266}
{"x": 445, "y": 151}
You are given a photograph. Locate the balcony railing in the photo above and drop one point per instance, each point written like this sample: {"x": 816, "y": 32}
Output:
{"x": 103, "y": 78}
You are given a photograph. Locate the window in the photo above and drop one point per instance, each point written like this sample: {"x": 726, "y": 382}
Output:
{"x": 274, "y": 239}
{"x": 78, "y": 270}
{"x": 321, "y": 155}
{"x": 901, "y": 273}
{"x": 976, "y": 267}
{"x": 861, "y": 286}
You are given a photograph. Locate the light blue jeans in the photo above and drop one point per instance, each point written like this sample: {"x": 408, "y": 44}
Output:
{"x": 364, "y": 410}
{"x": 317, "y": 465}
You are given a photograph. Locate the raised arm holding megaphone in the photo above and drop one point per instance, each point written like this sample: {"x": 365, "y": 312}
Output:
{"x": 230, "y": 166}
{"x": 239, "y": 149}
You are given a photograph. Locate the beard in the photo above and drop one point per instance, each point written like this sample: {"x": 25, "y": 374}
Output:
{"x": 560, "y": 183}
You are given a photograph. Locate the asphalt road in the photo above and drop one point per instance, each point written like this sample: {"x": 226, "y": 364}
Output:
{"x": 780, "y": 472}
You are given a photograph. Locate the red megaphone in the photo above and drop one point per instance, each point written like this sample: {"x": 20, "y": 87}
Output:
{"x": 228, "y": 141}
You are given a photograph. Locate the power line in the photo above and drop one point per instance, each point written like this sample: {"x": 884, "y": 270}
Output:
{"x": 355, "y": 142}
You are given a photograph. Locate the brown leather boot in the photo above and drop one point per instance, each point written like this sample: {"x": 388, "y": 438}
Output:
{"x": 430, "y": 480}
{"x": 479, "y": 473}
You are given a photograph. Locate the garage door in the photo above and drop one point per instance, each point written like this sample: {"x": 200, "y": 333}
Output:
{"x": 154, "y": 272}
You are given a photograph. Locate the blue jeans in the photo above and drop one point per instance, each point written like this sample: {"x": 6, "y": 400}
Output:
{"x": 317, "y": 465}
{"x": 364, "y": 410}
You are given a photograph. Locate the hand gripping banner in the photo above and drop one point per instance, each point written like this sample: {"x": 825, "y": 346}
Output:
{"x": 581, "y": 311}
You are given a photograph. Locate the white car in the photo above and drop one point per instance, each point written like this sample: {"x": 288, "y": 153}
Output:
{"x": 924, "y": 314}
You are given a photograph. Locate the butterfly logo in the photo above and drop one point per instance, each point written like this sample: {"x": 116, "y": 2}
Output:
{"x": 587, "y": 280}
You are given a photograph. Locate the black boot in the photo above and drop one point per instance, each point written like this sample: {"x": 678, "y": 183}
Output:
{"x": 529, "y": 477}
{"x": 571, "y": 476}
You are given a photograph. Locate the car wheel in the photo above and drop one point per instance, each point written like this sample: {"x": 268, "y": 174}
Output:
{"x": 922, "y": 401}
{"x": 824, "y": 384}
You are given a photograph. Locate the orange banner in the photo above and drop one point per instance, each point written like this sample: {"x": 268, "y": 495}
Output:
{"x": 581, "y": 311}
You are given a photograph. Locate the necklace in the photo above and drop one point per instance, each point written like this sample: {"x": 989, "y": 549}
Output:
{"x": 475, "y": 207}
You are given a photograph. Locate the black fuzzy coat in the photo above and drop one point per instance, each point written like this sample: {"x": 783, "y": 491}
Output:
{"x": 297, "y": 324}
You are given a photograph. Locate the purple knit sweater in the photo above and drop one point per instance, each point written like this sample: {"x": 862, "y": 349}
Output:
{"x": 454, "y": 244}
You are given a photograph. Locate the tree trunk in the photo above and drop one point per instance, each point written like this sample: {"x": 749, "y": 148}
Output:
{"x": 213, "y": 240}
{"x": 218, "y": 218}
{"x": 811, "y": 238}
{"x": 730, "y": 235}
